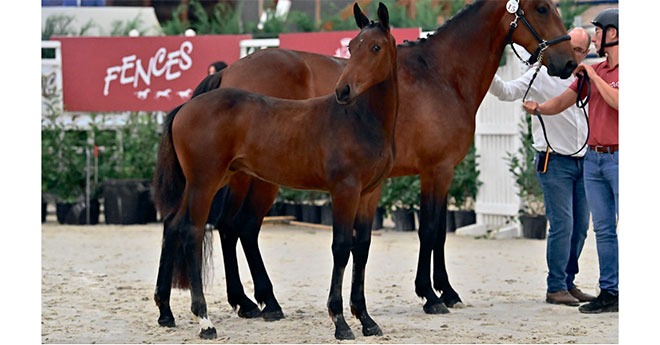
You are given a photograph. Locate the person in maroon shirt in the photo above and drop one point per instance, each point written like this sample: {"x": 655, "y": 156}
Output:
{"x": 601, "y": 163}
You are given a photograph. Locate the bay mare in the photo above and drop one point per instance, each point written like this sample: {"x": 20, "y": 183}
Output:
{"x": 442, "y": 81}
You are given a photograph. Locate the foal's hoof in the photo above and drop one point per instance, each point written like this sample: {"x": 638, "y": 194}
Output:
{"x": 435, "y": 308}
{"x": 208, "y": 333}
{"x": 166, "y": 321}
{"x": 272, "y": 315}
{"x": 373, "y": 330}
{"x": 345, "y": 334}
{"x": 250, "y": 313}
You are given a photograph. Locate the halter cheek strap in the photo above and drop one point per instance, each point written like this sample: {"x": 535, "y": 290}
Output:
{"x": 543, "y": 44}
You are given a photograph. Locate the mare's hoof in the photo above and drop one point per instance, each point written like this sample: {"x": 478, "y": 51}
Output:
{"x": 208, "y": 333}
{"x": 166, "y": 321}
{"x": 435, "y": 308}
{"x": 249, "y": 314}
{"x": 452, "y": 302}
{"x": 373, "y": 330}
{"x": 346, "y": 334}
{"x": 272, "y": 315}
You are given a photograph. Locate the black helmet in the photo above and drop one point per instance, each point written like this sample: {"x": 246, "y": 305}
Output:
{"x": 605, "y": 20}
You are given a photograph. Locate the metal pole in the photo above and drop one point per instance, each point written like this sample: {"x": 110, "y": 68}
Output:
{"x": 88, "y": 169}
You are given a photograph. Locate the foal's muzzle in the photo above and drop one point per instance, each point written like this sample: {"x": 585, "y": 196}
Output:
{"x": 343, "y": 96}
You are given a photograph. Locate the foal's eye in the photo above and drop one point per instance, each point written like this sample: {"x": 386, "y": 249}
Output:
{"x": 542, "y": 10}
{"x": 376, "y": 48}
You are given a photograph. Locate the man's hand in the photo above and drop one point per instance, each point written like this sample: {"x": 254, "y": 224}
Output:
{"x": 530, "y": 106}
{"x": 587, "y": 68}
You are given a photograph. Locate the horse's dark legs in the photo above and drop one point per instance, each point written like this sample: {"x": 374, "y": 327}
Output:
{"x": 228, "y": 238}
{"x": 361, "y": 243}
{"x": 440, "y": 279}
{"x": 259, "y": 200}
{"x": 164, "y": 280}
{"x": 344, "y": 206}
{"x": 429, "y": 223}
{"x": 198, "y": 201}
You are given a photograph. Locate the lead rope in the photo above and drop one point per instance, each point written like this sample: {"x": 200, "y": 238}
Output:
{"x": 580, "y": 103}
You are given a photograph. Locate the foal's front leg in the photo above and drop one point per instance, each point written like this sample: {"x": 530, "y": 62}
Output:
{"x": 361, "y": 244}
{"x": 344, "y": 206}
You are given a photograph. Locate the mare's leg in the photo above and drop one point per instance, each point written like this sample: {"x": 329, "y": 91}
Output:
{"x": 361, "y": 243}
{"x": 429, "y": 223}
{"x": 259, "y": 200}
{"x": 237, "y": 190}
{"x": 164, "y": 281}
{"x": 345, "y": 198}
{"x": 440, "y": 279}
{"x": 198, "y": 199}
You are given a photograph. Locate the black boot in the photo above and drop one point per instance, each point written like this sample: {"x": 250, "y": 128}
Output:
{"x": 604, "y": 303}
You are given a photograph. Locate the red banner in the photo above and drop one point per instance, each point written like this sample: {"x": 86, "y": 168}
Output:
{"x": 139, "y": 73}
{"x": 334, "y": 43}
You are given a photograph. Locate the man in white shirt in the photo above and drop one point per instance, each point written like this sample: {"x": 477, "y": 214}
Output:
{"x": 562, "y": 182}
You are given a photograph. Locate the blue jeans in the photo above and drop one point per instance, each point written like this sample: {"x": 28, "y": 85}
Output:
{"x": 568, "y": 213}
{"x": 601, "y": 180}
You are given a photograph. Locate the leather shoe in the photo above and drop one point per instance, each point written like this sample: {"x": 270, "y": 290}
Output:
{"x": 581, "y": 296}
{"x": 561, "y": 297}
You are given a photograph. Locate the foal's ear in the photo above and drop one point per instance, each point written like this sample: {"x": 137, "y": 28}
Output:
{"x": 383, "y": 16}
{"x": 360, "y": 19}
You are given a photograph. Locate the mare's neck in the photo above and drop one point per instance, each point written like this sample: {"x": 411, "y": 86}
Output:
{"x": 467, "y": 51}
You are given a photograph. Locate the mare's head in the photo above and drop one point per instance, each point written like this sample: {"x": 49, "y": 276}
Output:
{"x": 543, "y": 17}
{"x": 373, "y": 56}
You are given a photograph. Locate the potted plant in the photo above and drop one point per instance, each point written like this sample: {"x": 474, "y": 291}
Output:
{"x": 463, "y": 192}
{"x": 291, "y": 199}
{"x": 63, "y": 175}
{"x": 310, "y": 210}
{"x": 127, "y": 191}
{"x": 521, "y": 165}
{"x": 400, "y": 198}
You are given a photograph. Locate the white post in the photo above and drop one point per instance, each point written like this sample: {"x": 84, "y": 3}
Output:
{"x": 497, "y": 133}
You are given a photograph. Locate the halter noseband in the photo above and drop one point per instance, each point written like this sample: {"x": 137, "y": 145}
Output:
{"x": 543, "y": 44}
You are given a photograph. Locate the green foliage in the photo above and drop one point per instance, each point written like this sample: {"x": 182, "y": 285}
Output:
{"x": 302, "y": 21}
{"x": 227, "y": 19}
{"x": 175, "y": 26}
{"x": 60, "y": 25}
{"x": 401, "y": 193}
{"x": 465, "y": 183}
{"x": 569, "y": 10}
{"x": 521, "y": 165}
{"x": 139, "y": 147}
{"x": 62, "y": 160}
{"x": 120, "y": 28}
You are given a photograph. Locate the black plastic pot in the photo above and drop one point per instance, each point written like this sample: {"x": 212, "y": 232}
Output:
{"x": 534, "y": 227}
{"x": 128, "y": 201}
{"x": 44, "y": 210}
{"x": 451, "y": 221}
{"x": 463, "y": 218}
{"x": 404, "y": 219}
{"x": 378, "y": 219}
{"x": 311, "y": 214}
{"x": 326, "y": 214}
{"x": 76, "y": 213}
{"x": 293, "y": 210}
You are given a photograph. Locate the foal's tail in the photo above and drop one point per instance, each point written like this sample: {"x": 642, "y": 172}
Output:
{"x": 169, "y": 181}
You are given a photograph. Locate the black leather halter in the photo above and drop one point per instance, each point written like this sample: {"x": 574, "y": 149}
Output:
{"x": 543, "y": 44}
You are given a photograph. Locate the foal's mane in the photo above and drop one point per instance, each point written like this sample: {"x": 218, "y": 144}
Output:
{"x": 457, "y": 17}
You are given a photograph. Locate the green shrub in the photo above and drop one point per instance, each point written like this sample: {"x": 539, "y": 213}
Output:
{"x": 521, "y": 165}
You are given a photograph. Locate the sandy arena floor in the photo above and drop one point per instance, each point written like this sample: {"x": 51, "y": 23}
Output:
{"x": 98, "y": 283}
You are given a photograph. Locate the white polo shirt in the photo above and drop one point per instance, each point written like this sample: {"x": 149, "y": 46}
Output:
{"x": 567, "y": 130}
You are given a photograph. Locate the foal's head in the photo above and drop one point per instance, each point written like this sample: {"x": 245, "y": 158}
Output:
{"x": 373, "y": 56}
